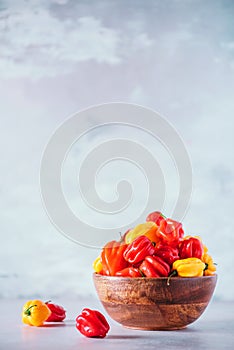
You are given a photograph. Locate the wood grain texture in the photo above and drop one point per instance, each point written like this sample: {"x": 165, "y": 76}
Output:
{"x": 149, "y": 303}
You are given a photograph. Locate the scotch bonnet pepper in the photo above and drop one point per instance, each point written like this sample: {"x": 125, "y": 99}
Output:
{"x": 139, "y": 249}
{"x": 170, "y": 232}
{"x": 35, "y": 313}
{"x": 154, "y": 266}
{"x": 147, "y": 229}
{"x": 205, "y": 249}
{"x": 190, "y": 267}
{"x": 129, "y": 272}
{"x": 210, "y": 267}
{"x": 97, "y": 265}
{"x": 191, "y": 247}
{"x": 58, "y": 313}
{"x": 112, "y": 259}
{"x": 156, "y": 217}
{"x": 167, "y": 253}
{"x": 92, "y": 323}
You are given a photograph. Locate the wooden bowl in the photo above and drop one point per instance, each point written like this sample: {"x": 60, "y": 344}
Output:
{"x": 150, "y": 304}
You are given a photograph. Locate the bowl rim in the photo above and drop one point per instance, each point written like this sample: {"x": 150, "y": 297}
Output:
{"x": 174, "y": 278}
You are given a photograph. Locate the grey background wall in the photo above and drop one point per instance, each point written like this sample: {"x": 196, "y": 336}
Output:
{"x": 58, "y": 57}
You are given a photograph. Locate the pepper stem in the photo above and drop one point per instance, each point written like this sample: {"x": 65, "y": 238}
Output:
{"x": 28, "y": 312}
{"x": 173, "y": 273}
{"x": 121, "y": 236}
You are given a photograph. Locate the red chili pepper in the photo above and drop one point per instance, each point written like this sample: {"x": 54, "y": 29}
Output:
{"x": 112, "y": 258}
{"x": 58, "y": 313}
{"x": 154, "y": 266}
{"x": 156, "y": 217}
{"x": 92, "y": 323}
{"x": 129, "y": 272}
{"x": 167, "y": 253}
{"x": 191, "y": 247}
{"x": 170, "y": 232}
{"x": 139, "y": 249}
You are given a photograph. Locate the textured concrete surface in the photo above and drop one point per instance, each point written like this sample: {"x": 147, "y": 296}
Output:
{"x": 214, "y": 330}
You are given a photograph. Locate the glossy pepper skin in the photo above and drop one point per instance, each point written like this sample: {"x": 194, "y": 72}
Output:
{"x": 167, "y": 253}
{"x": 138, "y": 249}
{"x": 58, "y": 313}
{"x": 129, "y": 272}
{"x": 170, "y": 232}
{"x": 190, "y": 267}
{"x": 147, "y": 229}
{"x": 154, "y": 266}
{"x": 156, "y": 217}
{"x": 35, "y": 313}
{"x": 92, "y": 323}
{"x": 191, "y": 247}
{"x": 210, "y": 266}
{"x": 112, "y": 258}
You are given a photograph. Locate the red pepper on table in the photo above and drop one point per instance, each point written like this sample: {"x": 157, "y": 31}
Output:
{"x": 129, "y": 272}
{"x": 58, "y": 313}
{"x": 156, "y": 217}
{"x": 92, "y": 323}
{"x": 112, "y": 258}
{"x": 191, "y": 247}
{"x": 154, "y": 266}
{"x": 170, "y": 232}
{"x": 139, "y": 249}
{"x": 167, "y": 253}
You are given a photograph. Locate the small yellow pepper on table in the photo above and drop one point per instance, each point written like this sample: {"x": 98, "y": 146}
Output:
{"x": 35, "y": 313}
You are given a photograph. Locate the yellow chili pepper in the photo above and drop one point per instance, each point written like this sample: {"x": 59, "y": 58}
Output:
{"x": 190, "y": 267}
{"x": 147, "y": 229}
{"x": 210, "y": 266}
{"x": 35, "y": 312}
{"x": 97, "y": 265}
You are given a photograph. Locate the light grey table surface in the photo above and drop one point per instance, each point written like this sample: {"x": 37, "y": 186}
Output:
{"x": 214, "y": 330}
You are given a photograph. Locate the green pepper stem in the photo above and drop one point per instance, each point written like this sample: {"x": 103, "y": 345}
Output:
{"x": 141, "y": 273}
{"x": 173, "y": 273}
{"x": 207, "y": 265}
{"x": 28, "y": 312}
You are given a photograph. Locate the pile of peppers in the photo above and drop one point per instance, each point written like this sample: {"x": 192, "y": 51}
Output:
{"x": 36, "y": 312}
{"x": 156, "y": 248}
{"x": 90, "y": 323}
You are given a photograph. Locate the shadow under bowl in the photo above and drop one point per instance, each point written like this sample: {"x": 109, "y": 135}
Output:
{"x": 151, "y": 304}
